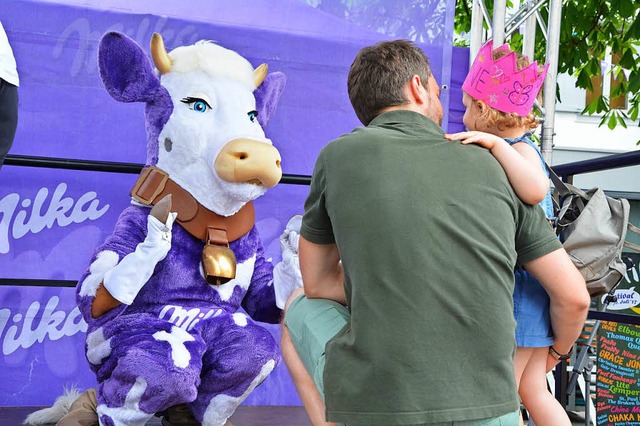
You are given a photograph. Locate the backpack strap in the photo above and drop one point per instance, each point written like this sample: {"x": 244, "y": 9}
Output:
{"x": 566, "y": 194}
{"x": 557, "y": 182}
{"x": 562, "y": 187}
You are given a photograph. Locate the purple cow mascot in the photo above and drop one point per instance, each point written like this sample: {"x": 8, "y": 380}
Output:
{"x": 161, "y": 296}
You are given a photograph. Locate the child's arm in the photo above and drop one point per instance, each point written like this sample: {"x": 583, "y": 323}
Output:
{"x": 520, "y": 162}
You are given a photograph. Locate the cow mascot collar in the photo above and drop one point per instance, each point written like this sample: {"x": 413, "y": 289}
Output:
{"x": 154, "y": 187}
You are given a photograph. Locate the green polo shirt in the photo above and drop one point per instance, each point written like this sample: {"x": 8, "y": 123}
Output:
{"x": 429, "y": 232}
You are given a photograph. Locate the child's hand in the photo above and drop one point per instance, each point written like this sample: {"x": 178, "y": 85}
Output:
{"x": 485, "y": 140}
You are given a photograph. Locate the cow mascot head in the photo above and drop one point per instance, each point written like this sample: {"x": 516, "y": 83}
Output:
{"x": 161, "y": 295}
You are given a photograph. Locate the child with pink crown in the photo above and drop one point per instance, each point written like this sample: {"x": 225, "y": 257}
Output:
{"x": 499, "y": 93}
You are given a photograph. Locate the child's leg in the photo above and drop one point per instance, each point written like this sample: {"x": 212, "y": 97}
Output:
{"x": 545, "y": 410}
{"x": 520, "y": 361}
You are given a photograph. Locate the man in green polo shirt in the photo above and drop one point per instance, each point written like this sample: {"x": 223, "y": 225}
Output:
{"x": 407, "y": 250}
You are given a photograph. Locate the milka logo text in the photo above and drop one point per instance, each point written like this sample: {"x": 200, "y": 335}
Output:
{"x": 186, "y": 319}
{"x": 80, "y": 33}
{"x": 24, "y": 333}
{"x": 21, "y": 217}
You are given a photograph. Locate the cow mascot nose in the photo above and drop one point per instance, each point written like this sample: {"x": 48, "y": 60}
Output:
{"x": 250, "y": 161}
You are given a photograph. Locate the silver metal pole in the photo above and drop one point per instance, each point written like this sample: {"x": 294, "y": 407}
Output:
{"x": 553, "y": 48}
{"x": 529, "y": 37}
{"x": 512, "y": 27}
{"x": 499, "y": 12}
{"x": 476, "y": 32}
{"x": 485, "y": 13}
{"x": 543, "y": 27}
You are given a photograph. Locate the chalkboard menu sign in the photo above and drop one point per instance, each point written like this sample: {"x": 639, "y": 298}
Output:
{"x": 618, "y": 361}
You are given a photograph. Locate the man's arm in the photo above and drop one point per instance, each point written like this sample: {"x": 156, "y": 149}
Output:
{"x": 568, "y": 293}
{"x": 321, "y": 270}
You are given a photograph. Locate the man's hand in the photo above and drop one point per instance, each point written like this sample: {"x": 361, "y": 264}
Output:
{"x": 485, "y": 140}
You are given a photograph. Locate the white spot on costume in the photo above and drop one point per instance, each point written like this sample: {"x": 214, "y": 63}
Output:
{"x": 176, "y": 338}
{"x": 222, "y": 407}
{"x": 129, "y": 414}
{"x": 97, "y": 347}
{"x": 105, "y": 260}
{"x": 240, "y": 319}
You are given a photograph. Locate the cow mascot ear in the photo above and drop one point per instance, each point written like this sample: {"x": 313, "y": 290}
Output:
{"x": 125, "y": 69}
{"x": 268, "y": 94}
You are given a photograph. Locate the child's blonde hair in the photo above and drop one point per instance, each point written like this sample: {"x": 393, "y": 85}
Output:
{"x": 506, "y": 120}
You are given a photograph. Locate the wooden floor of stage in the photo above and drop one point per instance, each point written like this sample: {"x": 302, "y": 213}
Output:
{"x": 245, "y": 416}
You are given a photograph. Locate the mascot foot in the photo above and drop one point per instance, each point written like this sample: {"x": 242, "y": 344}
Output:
{"x": 180, "y": 415}
{"x": 82, "y": 412}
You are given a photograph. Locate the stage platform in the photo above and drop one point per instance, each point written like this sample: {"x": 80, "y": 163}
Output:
{"x": 245, "y": 416}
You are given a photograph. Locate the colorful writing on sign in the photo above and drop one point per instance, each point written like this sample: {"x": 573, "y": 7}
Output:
{"x": 625, "y": 299}
{"x": 617, "y": 387}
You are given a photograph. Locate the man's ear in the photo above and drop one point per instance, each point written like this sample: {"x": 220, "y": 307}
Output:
{"x": 417, "y": 91}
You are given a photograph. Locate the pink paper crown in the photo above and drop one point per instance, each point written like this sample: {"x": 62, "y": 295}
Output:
{"x": 499, "y": 83}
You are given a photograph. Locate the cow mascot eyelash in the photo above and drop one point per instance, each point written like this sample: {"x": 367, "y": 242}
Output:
{"x": 162, "y": 293}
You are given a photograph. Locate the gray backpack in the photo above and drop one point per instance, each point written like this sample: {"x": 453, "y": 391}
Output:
{"x": 592, "y": 228}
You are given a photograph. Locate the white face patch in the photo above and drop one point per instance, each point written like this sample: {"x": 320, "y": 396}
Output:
{"x": 97, "y": 347}
{"x": 129, "y": 414}
{"x": 244, "y": 272}
{"x": 222, "y": 407}
{"x": 198, "y": 132}
{"x": 176, "y": 338}
{"x": 105, "y": 260}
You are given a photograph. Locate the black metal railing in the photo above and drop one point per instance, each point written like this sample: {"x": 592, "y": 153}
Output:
{"x": 109, "y": 166}
{"x": 566, "y": 171}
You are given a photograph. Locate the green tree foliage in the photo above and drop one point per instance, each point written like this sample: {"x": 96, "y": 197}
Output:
{"x": 590, "y": 31}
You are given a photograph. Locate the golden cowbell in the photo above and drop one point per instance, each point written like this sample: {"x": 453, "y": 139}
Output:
{"x": 219, "y": 264}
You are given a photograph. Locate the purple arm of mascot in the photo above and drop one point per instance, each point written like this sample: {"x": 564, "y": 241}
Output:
{"x": 175, "y": 337}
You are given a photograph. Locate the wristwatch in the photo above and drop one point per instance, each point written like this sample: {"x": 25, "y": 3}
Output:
{"x": 557, "y": 355}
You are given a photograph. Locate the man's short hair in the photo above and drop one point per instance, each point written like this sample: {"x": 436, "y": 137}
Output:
{"x": 379, "y": 73}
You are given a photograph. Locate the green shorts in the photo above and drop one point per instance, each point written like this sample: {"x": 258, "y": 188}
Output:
{"x": 312, "y": 323}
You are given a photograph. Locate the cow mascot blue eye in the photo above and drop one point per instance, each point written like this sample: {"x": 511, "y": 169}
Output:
{"x": 196, "y": 104}
{"x": 199, "y": 106}
{"x": 253, "y": 115}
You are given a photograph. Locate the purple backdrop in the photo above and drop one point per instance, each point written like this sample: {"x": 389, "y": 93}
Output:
{"x": 51, "y": 220}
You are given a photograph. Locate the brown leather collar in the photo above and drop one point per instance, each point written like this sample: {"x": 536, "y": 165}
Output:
{"x": 153, "y": 184}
